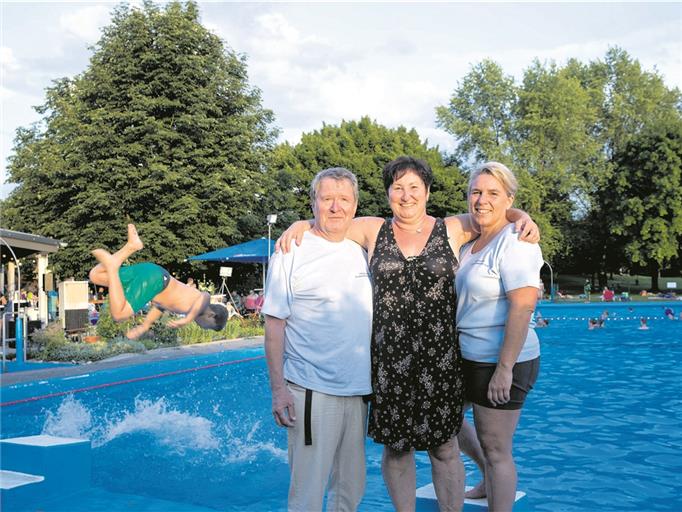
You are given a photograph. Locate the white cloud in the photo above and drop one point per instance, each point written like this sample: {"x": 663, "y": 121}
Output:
{"x": 658, "y": 47}
{"x": 277, "y": 27}
{"x": 86, "y": 23}
{"x": 6, "y": 94}
{"x": 8, "y": 61}
{"x": 323, "y": 63}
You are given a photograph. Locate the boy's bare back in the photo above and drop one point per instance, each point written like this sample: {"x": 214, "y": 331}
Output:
{"x": 179, "y": 298}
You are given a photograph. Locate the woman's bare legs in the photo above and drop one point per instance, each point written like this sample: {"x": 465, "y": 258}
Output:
{"x": 468, "y": 443}
{"x": 495, "y": 429}
{"x": 447, "y": 472}
{"x": 400, "y": 476}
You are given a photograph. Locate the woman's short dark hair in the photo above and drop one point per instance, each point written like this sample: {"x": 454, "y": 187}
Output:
{"x": 396, "y": 169}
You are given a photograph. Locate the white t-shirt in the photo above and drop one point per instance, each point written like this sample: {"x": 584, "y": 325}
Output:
{"x": 482, "y": 281}
{"x": 322, "y": 289}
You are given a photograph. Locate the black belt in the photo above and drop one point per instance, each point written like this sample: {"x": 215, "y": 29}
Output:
{"x": 307, "y": 414}
{"x": 306, "y": 417}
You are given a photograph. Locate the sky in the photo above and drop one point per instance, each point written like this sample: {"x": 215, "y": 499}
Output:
{"x": 325, "y": 62}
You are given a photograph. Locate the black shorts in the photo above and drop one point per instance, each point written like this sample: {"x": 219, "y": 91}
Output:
{"x": 477, "y": 377}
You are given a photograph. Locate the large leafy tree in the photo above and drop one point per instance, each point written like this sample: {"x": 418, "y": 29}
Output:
{"x": 645, "y": 206}
{"x": 630, "y": 102}
{"x": 162, "y": 129}
{"x": 363, "y": 147}
{"x": 480, "y": 113}
{"x": 561, "y": 130}
{"x": 552, "y": 142}
{"x": 484, "y": 116}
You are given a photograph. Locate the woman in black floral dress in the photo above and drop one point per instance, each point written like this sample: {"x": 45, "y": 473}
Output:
{"x": 416, "y": 364}
{"x": 416, "y": 369}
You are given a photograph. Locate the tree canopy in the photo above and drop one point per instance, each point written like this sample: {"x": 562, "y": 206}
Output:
{"x": 568, "y": 133}
{"x": 162, "y": 129}
{"x": 363, "y": 147}
{"x": 645, "y": 207}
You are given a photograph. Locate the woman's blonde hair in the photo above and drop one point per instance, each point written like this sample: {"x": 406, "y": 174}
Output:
{"x": 498, "y": 171}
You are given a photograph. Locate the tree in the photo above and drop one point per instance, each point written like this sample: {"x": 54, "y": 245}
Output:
{"x": 560, "y": 131}
{"x": 552, "y": 126}
{"x": 364, "y": 147}
{"x": 630, "y": 103}
{"x": 480, "y": 113}
{"x": 162, "y": 129}
{"x": 493, "y": 119}
{"x": 645, "y": 208}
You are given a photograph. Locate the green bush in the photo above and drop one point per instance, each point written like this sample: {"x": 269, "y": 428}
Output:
{"x": 163, "y": 335}
{"x": 160, "y": 333}
{"x": 50, "y": 344}
{"x": 235, "y": 328}
{"x": 108, "y": 328}
{"x": 44, "y": 343}
{"x": 191, "y": 333}
{"x": 122, "y": 345}
{"x": 243, "y": 328}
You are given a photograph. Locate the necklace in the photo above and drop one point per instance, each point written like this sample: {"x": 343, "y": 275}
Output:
{"x": 417, "y": 230}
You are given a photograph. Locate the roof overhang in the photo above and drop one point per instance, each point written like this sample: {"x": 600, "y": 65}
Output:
{"x": 25, "y": 244}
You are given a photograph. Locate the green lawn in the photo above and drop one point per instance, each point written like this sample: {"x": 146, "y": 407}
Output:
{"x": 573, "y": 284}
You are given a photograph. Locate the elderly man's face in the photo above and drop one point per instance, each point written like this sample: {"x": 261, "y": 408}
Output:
{"x": 334, "y": 207}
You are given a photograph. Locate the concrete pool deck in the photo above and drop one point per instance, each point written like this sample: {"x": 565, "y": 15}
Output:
{"x": 150, "y": 356}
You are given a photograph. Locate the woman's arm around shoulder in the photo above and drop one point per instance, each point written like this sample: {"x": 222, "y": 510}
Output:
{"x": 524, "y": 225}
{"x": 461, "y": 230}
{"x": 364, "y": 231}
{"x": 294, "y": 232}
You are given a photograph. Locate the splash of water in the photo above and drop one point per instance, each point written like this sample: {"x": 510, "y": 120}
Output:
{"x": 248, "y": 449}
{"x": 171, "y": 428}
{"x": 176, "y": 430}
{"x": 71, "y": 419}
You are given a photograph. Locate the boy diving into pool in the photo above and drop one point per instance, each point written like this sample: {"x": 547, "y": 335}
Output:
{"x": 133, "y": 286}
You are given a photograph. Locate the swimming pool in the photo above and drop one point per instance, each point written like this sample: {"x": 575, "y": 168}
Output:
{"x": 601, "y": 431}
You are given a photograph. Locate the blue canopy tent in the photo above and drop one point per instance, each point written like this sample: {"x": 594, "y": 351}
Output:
{"x": 255, "y": 251}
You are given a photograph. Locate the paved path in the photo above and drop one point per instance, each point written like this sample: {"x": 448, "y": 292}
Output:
{"x": 159, "y": 354}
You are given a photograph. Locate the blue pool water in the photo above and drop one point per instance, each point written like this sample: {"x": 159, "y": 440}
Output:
{"x": 601, "y": 431}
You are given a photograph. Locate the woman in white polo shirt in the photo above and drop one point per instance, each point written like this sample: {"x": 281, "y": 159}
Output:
{"x": 497, "y": 288}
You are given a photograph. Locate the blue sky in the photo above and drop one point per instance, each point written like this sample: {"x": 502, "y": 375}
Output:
{"x": 323, "y": 62}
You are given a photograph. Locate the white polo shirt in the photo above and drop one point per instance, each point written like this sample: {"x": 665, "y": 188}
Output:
{"x": 323, "y": 291}
{"x": 482, "y": 281}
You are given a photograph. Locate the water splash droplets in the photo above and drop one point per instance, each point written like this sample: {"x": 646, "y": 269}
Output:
{"x": 71, "y": 419}
{"x": 176, "y": 430}
{"x": 171, "y": 428}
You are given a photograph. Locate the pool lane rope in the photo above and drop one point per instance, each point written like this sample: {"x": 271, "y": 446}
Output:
{"x": 610, "y": 318}
{"x": 128, "y": 381}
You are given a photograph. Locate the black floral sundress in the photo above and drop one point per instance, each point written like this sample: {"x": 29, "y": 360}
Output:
{"x": 416, "y": 363}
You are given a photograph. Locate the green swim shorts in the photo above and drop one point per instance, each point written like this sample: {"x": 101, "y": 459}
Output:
{"x": 142, "y": 282}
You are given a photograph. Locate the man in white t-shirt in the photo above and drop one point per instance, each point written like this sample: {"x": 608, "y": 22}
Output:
{"x": 318, "y": 318}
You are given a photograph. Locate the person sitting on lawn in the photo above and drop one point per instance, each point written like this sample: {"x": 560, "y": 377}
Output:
{"x": 607, "y": 294}
{"x": 250, "y": 302}
{"x": 131, "y": 287}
